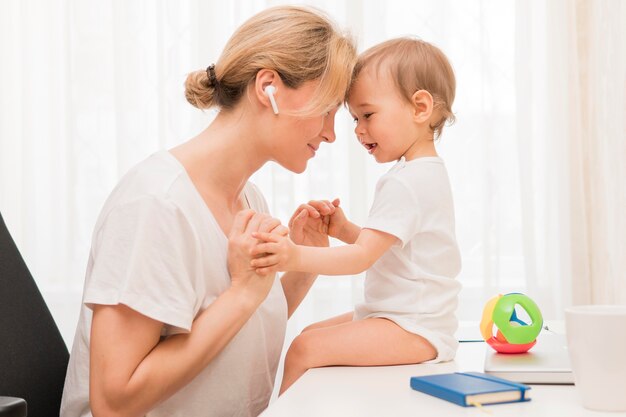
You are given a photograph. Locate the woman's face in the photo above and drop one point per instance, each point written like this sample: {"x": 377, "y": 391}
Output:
{"x": 296, "y": 139}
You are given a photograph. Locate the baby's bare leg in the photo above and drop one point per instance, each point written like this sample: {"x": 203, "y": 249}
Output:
{"x": 369, "y": 342}
{"x": 343, "y": 318}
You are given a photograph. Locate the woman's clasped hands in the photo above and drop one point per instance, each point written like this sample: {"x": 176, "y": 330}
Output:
{"x": 240, "y": 246}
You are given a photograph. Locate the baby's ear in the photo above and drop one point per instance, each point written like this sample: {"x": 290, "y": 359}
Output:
{"x": 423, "y": 105}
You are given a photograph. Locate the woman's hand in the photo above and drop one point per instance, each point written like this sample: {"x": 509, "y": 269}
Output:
{"x": 312, "y": 223}
{"x": 240, "y": 245}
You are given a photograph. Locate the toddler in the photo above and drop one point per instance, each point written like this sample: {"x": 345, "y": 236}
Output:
{"x": 400, "y": 99}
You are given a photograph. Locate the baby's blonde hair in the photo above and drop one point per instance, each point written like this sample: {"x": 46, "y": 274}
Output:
{"x": 415, "y": 65}
{"x": 299, "y": 43}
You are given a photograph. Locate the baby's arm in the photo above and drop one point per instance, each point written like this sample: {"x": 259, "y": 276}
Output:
{"x": 339, "y": 226}
{"x": 349, "y": 233}
{"x": 281, "y": 253}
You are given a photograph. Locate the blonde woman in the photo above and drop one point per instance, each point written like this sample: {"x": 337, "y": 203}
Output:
{"x": 174, "y": 321}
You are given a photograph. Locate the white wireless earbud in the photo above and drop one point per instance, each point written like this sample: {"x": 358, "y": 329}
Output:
{"x": 270, "y": 90}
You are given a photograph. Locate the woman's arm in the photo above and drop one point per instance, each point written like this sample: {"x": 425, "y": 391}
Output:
{"x": 296, "y": 286}
{"x": 132, "y": 371}
{"x": 283, "y": 254}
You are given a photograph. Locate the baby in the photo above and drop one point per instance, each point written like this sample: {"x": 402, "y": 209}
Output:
{"x": 400, "y": 99}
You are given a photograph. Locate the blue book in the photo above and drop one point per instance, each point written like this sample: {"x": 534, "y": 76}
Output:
{"x": 471, "y": 388}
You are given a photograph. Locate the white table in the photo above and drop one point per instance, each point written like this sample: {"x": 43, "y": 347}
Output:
{"x": 384, "y": 391}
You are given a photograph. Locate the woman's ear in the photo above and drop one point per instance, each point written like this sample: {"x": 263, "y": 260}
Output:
{"x": 423, "y": 105}
{"x": 263, "y": 79}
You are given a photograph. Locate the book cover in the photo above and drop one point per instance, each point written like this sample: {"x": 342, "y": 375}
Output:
{"x": 470, "y": 388}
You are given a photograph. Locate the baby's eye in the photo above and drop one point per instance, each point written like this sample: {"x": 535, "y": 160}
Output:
{"x": 355, "y": 119}
{"x": 367, "y": 115}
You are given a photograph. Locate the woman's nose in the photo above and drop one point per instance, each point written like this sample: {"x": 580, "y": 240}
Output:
{"x": 328, "y": 129}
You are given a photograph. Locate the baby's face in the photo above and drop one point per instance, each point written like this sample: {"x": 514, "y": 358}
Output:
{"x": 384, "y": 119}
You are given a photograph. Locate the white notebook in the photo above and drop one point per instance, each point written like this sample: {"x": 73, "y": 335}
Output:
{"x": 546, "y": 363}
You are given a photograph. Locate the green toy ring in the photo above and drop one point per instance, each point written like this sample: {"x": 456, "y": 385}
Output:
{"x": 504, "y": 314}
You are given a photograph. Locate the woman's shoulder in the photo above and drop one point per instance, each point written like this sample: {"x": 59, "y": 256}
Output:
{"x": 160, "y": 175}
{"x": 156, "y": 174}
{"x": 157, "y": 182}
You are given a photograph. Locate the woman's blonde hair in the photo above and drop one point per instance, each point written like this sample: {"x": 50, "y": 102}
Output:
{"x": 299, "y": 43}
{"x": 415, "y": 65}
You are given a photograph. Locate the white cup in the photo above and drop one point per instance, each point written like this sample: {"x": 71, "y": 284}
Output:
{"x": 596, "y": 340}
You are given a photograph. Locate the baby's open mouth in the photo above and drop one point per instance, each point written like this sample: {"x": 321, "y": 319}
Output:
{"x": 370, "y": 146}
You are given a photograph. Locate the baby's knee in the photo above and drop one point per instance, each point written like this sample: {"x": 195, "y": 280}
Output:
{"x": 310, "y": 327}
{"x": 300, "y": 351}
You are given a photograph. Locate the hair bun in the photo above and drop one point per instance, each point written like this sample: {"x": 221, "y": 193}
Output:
{"x": 198, "y": 90}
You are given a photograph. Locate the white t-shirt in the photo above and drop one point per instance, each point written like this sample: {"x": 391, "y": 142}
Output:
{"x": 413, "y": 283}
{"x": 158, "y": 249}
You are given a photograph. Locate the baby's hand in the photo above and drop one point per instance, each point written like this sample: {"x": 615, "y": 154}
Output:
{"x": 274, "y": 252}
{"x": 337, "y": 221}
{"x": 331, "y": 215}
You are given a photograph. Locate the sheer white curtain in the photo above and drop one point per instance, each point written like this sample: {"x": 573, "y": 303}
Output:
{"x": 536, "y": 158}
{"x": 571, "y": 138}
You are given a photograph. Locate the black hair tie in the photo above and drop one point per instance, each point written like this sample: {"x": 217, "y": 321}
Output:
{"x": 210, "y": 72}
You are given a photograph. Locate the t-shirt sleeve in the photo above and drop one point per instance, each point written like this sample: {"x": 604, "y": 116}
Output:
{"x": 143, "y": 257}
{"x": 395, "y": 209}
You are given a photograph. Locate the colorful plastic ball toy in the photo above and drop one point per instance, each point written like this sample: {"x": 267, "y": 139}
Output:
{"x": 513, "y": 335}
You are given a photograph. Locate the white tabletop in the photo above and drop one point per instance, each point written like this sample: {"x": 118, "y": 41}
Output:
{"x": 384, "y": 391}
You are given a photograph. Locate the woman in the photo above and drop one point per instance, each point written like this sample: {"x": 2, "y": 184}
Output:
{"x": 174, "y": 321}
